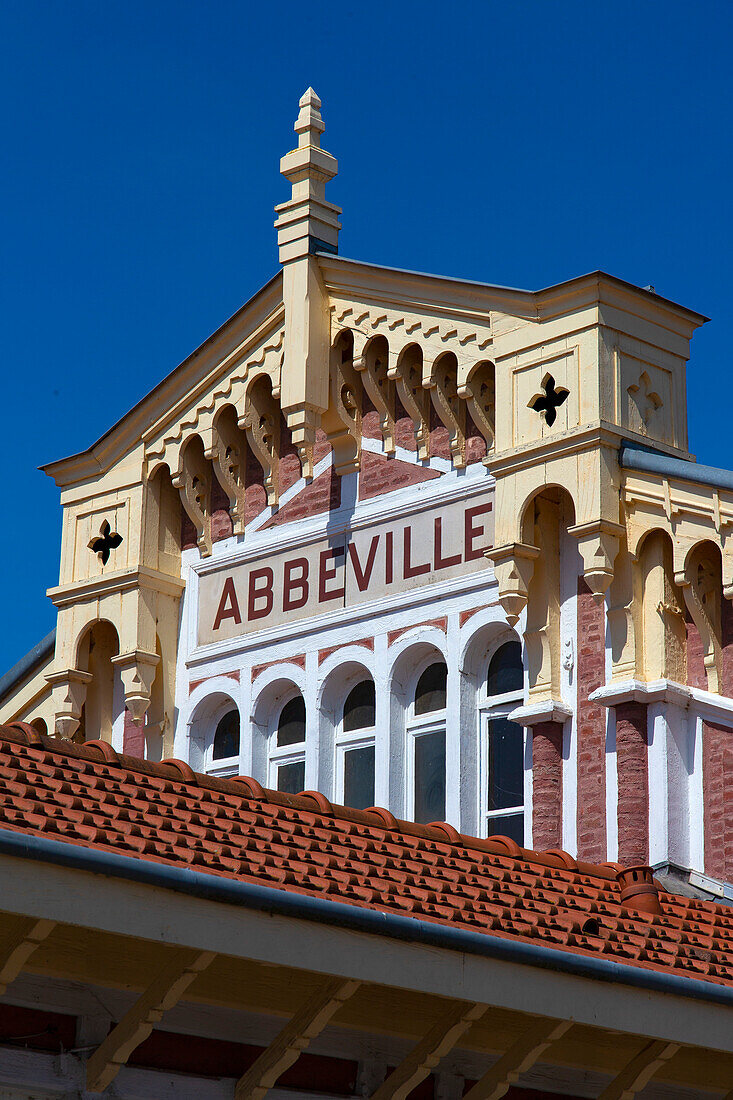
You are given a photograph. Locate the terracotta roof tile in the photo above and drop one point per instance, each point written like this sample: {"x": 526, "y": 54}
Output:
{"x": 92, "y": 796}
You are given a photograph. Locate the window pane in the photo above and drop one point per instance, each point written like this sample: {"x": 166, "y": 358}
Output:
{"x": 511, "y": 825}
{"x": 430, "y": 777}
{"x": 430, "y": 690}
{"x": 226, "y": 738}
{"x": 359, "y": 777}
{"x": 291, "y": 727}
{"x": 359, "y": 708}
{"x": 291, "y": 777}
{"x": 505, "y": 670}
{"x": 506, "y": 764}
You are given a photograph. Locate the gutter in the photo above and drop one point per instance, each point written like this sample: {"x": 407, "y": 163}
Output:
{"x": 632, "y": 456}
{"x": 26, "y": 664}
{"x": 266, "y": 899}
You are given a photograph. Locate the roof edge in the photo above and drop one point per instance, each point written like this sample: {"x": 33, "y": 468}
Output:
{"x": 26, "y": 664}
{"x": 376, "y": 922}
{"x": 51, "y": 469}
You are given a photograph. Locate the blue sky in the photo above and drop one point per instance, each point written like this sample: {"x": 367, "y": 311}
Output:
{"x": 516, "y": 143}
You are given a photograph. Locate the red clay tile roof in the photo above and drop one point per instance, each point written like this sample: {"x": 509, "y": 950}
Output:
{"x": 164, "y": 812}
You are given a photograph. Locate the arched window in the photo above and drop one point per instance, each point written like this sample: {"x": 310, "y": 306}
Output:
{"x": 287, "y": 755}
{"x": 223, "y": 753}
{"x": 355, "y": 747}
{"x": 426, "y": 745}
{"x": 502, "y": 745}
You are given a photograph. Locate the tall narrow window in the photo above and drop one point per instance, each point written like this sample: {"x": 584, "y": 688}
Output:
{"x": 502, "y": 746}
{"x": 223, "y": 755}
{"x": 355, "y": 748}
{"x": 287, "y": 755}
{"x": 426, "y": 745}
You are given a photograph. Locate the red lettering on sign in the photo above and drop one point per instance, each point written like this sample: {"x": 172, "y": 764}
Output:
{"x": 327, "y": 572}
{"x": 293, "y": 584}
{"x": 440, "y": 561}
{"x": 473, "y": 532}
{"x": 363, "y": 576}
{"x": 388, "y": 556}
{"x": 408, "y": 569}
{"x": 259, "y": 591}
{"x": 228, "y": 605}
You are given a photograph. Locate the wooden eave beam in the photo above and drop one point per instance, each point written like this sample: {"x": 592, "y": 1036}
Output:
{"x": 15, "y": 953}
{"x": 639, "y": 1071}
{"x": 518, "y": 1060}
{"x": 307, "y": 1023}
{"x": 438, "y": 1042}
{"x": 163, "y": 993}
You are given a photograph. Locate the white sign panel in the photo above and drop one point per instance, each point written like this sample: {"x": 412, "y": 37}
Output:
{"x": 438, "y": 543}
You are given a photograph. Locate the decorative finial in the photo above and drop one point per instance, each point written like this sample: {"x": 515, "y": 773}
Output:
{"x": 309, "y": 125}
{"x": 308, "y": 223}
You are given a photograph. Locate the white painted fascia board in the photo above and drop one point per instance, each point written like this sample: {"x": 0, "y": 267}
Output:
{"x": 546, "y": 710}
{"x": 704, "y": 703}
{"x": 712, "y": 885}
{"x": 116, "y": 905}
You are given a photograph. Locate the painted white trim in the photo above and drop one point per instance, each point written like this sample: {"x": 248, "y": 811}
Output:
{"x": 545, "y": 710}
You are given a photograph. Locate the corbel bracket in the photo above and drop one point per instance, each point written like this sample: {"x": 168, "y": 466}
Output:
{"x": 598, "y": 542}
{"x": 513, "y": 566}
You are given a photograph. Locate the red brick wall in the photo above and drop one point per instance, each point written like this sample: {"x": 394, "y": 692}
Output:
{"x": 547, "y": 785}
{"x": 591, "y": 724}
{"x": 717, "y": 768}
{"x": 133, "y": 737}
{"x": 380, "y": 475}
{"x": 475, "y": 442}
{"x": 221, "y": 521}
{"x": 322, "y": 495}
{"x": 633, "y": 783}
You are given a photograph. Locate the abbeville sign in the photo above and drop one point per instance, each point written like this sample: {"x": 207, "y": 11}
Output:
{"x": 345, "y": 570}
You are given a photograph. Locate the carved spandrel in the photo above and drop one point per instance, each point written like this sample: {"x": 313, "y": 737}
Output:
{"x": 451, "y": 409}
{"x": 371, "y": 360}
{"x": 261, "y": 422}
{"x": 228, "y": 453}
{"x": 479, "y": 393}
{"x": 701, "y": 586}
{"x": 193, "y": 481}
{"x": 406, "y": 373}
{"x": 342, "y": 421}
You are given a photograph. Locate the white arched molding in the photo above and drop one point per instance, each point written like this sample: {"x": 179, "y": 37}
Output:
{"x": 408, "y": 658}
{"x": 207, "y": 704}
{"x": 480, "y": 637}
{"x": 272, "y": 689}
{"x": 337, "y": 675}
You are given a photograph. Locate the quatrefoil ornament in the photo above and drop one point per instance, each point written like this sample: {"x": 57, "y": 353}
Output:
{"x": 107, "y": 541}
{"x": 547, "y": 403}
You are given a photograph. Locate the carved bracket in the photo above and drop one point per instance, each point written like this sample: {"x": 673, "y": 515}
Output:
{"x": 513, "y": 567}
{"x": 137, "y": 671}
{"x": 406, "y": 373}
{"x": 261, "y": 422}
{"x": 342, "y": 421}
{"x": 700, "y": 584}
{"x": 598, "y": 543}
{"x": 450, "y": 408}
{"x": 193, "y": 481}
{"x": 479, "y": 394}
{"x": 69, "y": 690}
{"x": 371, "y": 360}
{"x": 228, "y": 453}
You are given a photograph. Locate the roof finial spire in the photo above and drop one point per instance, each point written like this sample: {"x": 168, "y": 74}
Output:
{"x": 308, "y": 223}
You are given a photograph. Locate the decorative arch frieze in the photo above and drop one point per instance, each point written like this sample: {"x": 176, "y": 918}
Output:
{"x": 406, "y": 371}
{"x": 342, "y": 420}
{"x": 371, "y": 360}
{"x": 193, "y": 479}
{"x": 442, "y": 383}
{"x": 261, "y": 421}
